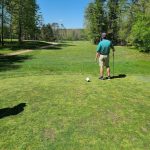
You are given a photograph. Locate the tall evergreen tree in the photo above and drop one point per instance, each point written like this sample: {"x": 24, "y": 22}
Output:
{"x": 113, "y": 12}
{"x": 95, "y": 19}
{"x": 23, "y": 18}
{"x": 2, "y": 4}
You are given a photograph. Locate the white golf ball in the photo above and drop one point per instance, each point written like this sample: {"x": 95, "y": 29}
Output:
{"x": 87, "y": 79}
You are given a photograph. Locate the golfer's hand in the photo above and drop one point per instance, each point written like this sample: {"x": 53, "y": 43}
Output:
{"x": 96, "y": 60}
{"x": 97, "y": 56}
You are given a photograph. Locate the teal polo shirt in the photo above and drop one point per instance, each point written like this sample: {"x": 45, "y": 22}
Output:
{"x": 104, "y": 47}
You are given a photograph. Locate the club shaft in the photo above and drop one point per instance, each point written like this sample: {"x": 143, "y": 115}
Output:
{"x": 113, "y": 63}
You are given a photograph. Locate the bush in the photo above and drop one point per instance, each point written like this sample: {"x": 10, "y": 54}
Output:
{"x": 140, "y": 33}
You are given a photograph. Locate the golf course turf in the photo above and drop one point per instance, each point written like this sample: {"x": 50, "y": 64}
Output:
{"x": 46, "y": 103}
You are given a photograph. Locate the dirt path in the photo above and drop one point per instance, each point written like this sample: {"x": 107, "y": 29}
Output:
{"x": 30, "y": 50}
{"x": 19, "y": 52}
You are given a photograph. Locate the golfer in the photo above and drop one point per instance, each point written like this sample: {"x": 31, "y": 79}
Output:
{"x": 102, "y": 53}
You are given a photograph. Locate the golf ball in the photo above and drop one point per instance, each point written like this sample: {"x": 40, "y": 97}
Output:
{"x": 87, "y": 79}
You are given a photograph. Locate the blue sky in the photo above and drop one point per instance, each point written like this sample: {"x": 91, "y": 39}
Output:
{"x": 68, "y": 12}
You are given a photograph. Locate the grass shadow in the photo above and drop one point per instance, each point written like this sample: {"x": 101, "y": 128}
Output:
{"x": 115, "y": 77}
{"x": 52, "y": 47}
{"x": 58, "y": 46}
{"x": 65, "y": 45}
{"x": 119, "y": 76}
{"x": 5, "y": 112}
{"x": 14, "y": 45}
{"x": 12, "y": 62}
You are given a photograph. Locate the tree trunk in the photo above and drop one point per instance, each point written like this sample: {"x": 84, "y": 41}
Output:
{"x": 20, "y": 34}
{"x": 20, "y": 24}
{"x": 10, "y": 29}
{"x": 2, "y": 24}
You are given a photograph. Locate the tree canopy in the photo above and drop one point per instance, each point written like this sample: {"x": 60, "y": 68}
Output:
{"x": 125, "y": 21}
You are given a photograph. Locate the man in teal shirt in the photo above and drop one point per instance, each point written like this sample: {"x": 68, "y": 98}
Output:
{"x": 102, "y": 53}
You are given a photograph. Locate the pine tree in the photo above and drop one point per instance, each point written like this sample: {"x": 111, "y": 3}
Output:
{"x": 2, "y": 4}
{"x": 95, "y": 19}
{"x": 113, "y": 15}
{"x": 23, "y": 20}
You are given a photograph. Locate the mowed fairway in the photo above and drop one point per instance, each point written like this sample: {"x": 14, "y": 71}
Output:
{"x": 63, "y": 111}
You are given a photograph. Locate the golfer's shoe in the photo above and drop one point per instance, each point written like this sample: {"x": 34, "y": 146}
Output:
{"x": 101, "y": 78}
{"x": 108, "y": 78}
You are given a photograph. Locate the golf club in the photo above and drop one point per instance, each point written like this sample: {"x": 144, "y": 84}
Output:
{"x": 113, "y": 63}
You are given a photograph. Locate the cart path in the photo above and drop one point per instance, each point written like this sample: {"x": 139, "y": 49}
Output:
{"x": 19, "y": 52}
{"x": 30, "y": 50}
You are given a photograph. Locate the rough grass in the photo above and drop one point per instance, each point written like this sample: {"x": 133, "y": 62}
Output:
{"x": 63, "y": 111}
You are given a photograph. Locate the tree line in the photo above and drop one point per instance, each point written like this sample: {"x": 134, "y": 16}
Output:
{"x": 19, "y": 19}
{"x": 58, "y": 32}
{"x": 125, "y": 21}
{"x": 22, "y": 20}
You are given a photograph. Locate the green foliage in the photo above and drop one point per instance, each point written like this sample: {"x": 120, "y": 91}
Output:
{"x": 95, "y": 20}
{"x": 22, "y": 19}
{"x": 57, "y": 32}
{"x": 127, "y": 22}
{"x": 47, "y": 33}
{"x": 113, "y": 21}
{"x": 72, "y": 34}
{"x": 140, "y": 33}
{"x": 102, "y": 16}
{"x": 135, "y": 24}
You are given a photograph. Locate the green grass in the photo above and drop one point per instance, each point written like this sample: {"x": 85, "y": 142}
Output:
{"x": 63, "y": 112}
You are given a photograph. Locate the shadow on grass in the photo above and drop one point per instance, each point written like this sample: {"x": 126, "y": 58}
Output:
{"x": 65, "y": 45}
{"x": 118, "y": 76}
{"x": 5, "y": 112}
{"x": 58, "y": 46}
{"x": 14, "y": 45}
{"x": 25, "y": 45}
{"x": 52, "y": 47}
{"x": 12, "y": 62}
